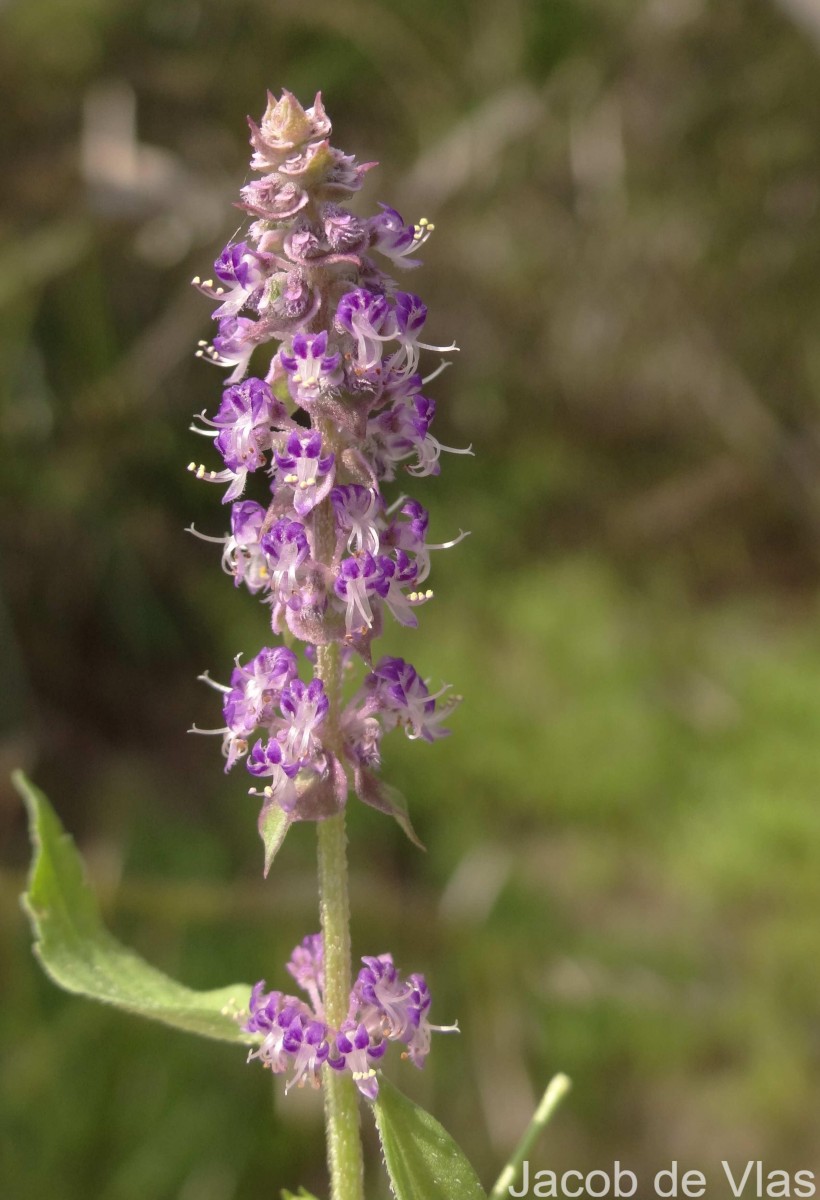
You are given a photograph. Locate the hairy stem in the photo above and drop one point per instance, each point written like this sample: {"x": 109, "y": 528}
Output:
{"x": 344, "y": 1147}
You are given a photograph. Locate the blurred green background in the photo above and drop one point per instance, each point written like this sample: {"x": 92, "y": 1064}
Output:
{"x": 623, "y": 831}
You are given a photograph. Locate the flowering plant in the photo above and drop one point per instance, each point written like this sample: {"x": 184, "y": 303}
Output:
{"x": 336, "y": 408}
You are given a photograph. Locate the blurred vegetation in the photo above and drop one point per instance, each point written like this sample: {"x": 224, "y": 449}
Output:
{"x": 622, "y": 877}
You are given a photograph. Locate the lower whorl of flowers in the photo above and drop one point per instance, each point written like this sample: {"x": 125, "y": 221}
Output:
{"x": 384, "y": 1007}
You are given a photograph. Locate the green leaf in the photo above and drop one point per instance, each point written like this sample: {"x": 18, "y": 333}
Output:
{"x": 423, "y": 1161}
{"x": 79, "y": 954}
{"x": 300, "y": 1195}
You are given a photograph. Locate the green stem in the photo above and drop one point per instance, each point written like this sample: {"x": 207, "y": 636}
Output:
{"x": 344, "y": 1146}
{"x": 555, "y": 1093}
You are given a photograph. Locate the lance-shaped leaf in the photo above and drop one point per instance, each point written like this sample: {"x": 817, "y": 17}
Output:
{"x": 422, "y": 1159}
{"x": 79, "y": 954}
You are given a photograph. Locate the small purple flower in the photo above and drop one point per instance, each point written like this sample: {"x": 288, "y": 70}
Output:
{"x": 356, "y": 1051}
{"x": 268, "y": 761}
{"x": 369, "y": 319}
{"x": 403, "y": 698}
{"x": 304, "y": 707}
{"x": 386, "y": 1000}
{"x": 242, "y": 274}
{"x": 244, "y": 424}
{"x": 357, "y": 511}
{"x": 411, "y": 314}
{"x": 243, "y": 556}
{"x": 253, "y": 696}
{"x": 307, "y": 966}
{"x": 303, "y": 467}
{"x": 404, "y": 430}
{"x": 286, "y": 547}
{"x": 233, "y": 346}
{"x": 410, "y": 536}
{"x": 402, "y": 572}
{"x": 358, "y": 579}
{"x": 391, "y": 237}
{"x": 264, "y": 1009}
{"x": 312, "y": 372}
{"x": 306, "y": 1041}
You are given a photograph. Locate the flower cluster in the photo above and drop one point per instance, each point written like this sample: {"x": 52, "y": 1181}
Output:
{"x": 384, "y": 1007}
{"x": 335, "y": 409}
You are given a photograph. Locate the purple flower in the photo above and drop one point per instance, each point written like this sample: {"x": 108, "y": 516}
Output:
{"x": 243, "y": 556}
{"x": 410, "y": 536}
{"x": 306, "y": 1042}
{"x": 369, "y": 319}
{"x": 402, "y": 698}
{"x": 304, "y": 708}
{"x": 233, "y": 346}
{"x": 403, "y": 430}
{"x": 385, "y": 999}
{"x": 312, "y": 372}
{"x": 358, "y": 579}
{"x": 286, "y": 547}
{"x": 253, "y": 696}
{"x": 307, "y": 966}
{"x": 411, "y": 314}
{"x": 268, "y": 761}
{"x": 355, "y": 1051}
{"x": 304, "y": 468}
{"x": 242, "y": 273}
{"x": 402, "y": 572}
{"x": 357, "y": 510}
{"x": 244, "y": 423}
{"x": 391, "y": 237}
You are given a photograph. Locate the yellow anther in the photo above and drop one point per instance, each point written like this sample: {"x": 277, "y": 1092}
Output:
{"x": 291, "y": 479}
{"x": 202, "y": 342}
{"x": 428, "y": 595}
{"x": 191, "y": 466}
{"x": 208, "y": 283}
{"x": 430, "y": 226}
{"x": 200, "y": 471}
{"x": 196, "y": 280}
{"x": 423, "y": 221}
